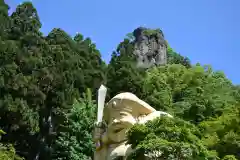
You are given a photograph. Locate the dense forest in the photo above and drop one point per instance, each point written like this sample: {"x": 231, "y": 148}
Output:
{"x": 48, "y": 87}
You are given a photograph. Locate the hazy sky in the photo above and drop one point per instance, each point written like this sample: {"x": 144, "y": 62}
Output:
{"x": 206, "y": 31}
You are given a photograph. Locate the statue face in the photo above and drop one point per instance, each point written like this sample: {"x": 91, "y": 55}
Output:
{"x": 119, "y": 122}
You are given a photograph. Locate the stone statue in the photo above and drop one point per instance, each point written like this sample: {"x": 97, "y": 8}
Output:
{"x": 120, "y": 114}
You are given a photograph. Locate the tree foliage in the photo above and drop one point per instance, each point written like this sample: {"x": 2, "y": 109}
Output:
{"x": 75, "y": 141}
{"x": 223, "y": 133}
{"x": 39, "y": 79}
{"x": 176, "y": 58}
{"x": 7, "y": 151}
{"x": 194, "y": 94}
{"x": 122, "y": 73}
{"x": 167, "y": 138}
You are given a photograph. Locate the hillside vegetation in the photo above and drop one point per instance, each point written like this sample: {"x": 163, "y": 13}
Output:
{"x": 48, "y": 85}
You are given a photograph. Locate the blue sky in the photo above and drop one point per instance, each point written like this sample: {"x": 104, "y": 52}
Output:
{"x": 206, "y": 31}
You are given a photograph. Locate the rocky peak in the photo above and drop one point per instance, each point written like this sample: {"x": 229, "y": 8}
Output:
{"x": 150, "y": 47}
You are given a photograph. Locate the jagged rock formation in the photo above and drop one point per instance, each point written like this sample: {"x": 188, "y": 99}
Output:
{"x": 150, "y": 47}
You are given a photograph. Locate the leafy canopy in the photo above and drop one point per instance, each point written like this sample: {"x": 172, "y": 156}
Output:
{"x": 168, "y": 138}
{"x": 193, "y": 94}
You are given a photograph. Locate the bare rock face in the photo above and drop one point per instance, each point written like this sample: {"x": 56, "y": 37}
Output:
{"x": 150, "y": 47}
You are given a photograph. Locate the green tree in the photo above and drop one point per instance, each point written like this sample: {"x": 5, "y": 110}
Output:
{"x": 4, "y": 8}
{"x": 223, "y": 133}
{"x": 229, "y": 157}
{"x": 20, "y": 95}
{"x": 4, "y": 19}
{"x": 24, "y": 20}
{"x": 193, "y": 93}
{"x": 93, "y": 65}
{"x": 39, "y": 79}
{"x": 122, "y": 73}
{"x": 168, "y": 138}
{"x": 130, "y": 37}
{"x": 176, "y": 58}
{"x": 75, "y": 141}
{"x": 7, "y": 151}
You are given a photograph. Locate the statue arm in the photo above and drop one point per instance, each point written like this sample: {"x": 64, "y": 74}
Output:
{"x": 100, "y": 137}
{"x": 100, "y": 141}
{"x": 152, "y": 116}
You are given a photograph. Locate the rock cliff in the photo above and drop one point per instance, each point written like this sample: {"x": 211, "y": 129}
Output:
{"x": 150, "y": 47}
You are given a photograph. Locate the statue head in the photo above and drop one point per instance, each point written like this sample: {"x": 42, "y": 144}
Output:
{"x": 122, "y": 112}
